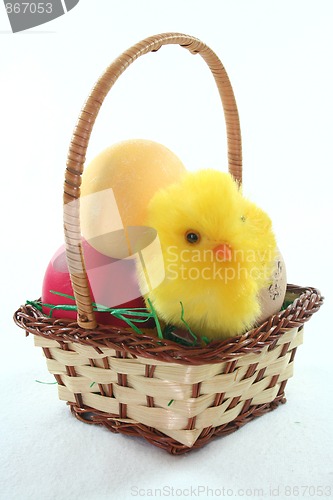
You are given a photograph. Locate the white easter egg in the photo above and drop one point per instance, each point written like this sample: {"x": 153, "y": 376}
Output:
{"x": 271, "y": 297}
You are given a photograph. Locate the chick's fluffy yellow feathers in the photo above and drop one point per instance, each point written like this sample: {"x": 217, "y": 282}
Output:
{"x": 218, "y": 252}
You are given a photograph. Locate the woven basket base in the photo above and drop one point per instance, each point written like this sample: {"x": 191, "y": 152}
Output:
{"x": 156, "y": 438}
{"x": 178, "y": 398}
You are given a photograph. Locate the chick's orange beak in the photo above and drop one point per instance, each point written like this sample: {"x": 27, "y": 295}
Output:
{"x": 223, "y": 252}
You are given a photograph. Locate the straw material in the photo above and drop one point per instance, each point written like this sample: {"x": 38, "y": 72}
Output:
{"x": 172, "y": 382}
{"x": 176, "y": 397}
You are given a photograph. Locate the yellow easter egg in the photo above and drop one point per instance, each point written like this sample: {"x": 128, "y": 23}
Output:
{"x": 119, "y": 183}
{"x": 271, "y": 298}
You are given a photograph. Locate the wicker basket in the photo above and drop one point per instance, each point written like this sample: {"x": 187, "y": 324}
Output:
{"x": 176, "y": 397}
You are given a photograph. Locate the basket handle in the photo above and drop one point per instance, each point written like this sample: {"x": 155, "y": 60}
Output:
{"x": 80, "y": 140}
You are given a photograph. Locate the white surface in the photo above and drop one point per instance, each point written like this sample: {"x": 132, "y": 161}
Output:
{"x": 279, "y": 58}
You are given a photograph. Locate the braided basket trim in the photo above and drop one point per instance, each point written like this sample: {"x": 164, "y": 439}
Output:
{"x": 307, "y": 302}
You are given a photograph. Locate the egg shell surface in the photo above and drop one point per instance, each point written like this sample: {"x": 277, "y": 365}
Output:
{"x": 111, "y": 282}
{"x": 134, "y": 170}
{"x": 271, "y": 297}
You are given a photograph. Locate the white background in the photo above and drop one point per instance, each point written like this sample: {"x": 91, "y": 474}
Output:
{"x": 279, "y": 58}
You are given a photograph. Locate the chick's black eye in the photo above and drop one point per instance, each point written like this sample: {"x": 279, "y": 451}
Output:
{"x": 243, "y": 218}
{"x": 192, "y": 236}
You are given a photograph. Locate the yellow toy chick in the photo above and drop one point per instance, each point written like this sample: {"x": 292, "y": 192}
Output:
{"x": 218, "y": 251}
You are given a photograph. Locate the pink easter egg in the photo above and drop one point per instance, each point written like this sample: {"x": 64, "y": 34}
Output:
{"x": 112, "y": 283}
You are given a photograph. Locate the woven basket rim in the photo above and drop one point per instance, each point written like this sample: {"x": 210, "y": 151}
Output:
{"x": 308, "y": 300}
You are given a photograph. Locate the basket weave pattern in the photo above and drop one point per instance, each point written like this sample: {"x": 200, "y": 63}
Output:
{"x": 134, "y": 390}
{"x": 176, "y": 397}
